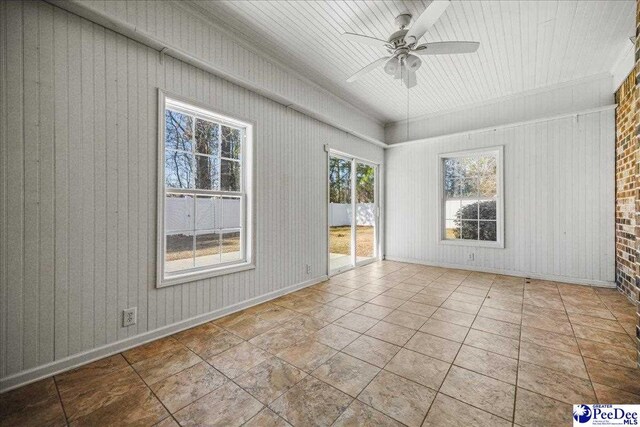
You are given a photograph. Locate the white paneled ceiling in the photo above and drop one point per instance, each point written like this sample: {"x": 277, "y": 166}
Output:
{"x": 524, "y": 45}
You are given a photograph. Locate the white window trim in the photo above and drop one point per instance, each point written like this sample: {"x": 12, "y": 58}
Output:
{"x": 247, "y": 180}
{"x": 498, "y": 151}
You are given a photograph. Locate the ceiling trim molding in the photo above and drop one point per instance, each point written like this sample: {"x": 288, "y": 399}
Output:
{"x": 542, "y": 89}
{"x": 623, "y": 66}
{"x": 505, "y": 126}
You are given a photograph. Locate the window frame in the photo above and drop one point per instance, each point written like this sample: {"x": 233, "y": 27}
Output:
{"x": 498, "y": 152}
{"x": 246, "y": 194}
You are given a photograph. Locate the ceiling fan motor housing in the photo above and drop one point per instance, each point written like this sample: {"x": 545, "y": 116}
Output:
{"x": 397, "y": 39}
{"x": 403, "y": 20}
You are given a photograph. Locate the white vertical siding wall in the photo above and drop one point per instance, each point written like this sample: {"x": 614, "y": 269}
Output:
{"x": 579, "y": 95}
{"x": 181, "y": 27}
{"x": 78, "y": 164}
{"x": 559, "y": 200}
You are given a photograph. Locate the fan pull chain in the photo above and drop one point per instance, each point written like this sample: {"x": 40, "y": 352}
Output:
{"x": 408, "y": 92}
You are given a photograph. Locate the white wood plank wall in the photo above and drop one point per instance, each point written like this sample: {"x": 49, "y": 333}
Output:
{"x": 78, "y": 187}
{"x": 578, "y": 95}
{"x": 180, "y": 26}
{"x": 559, "y": 200}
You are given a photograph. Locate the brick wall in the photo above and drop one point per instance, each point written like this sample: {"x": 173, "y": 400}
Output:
{"x": 628, "y": 184}
{"x": 626, "y": 164}
{"x": 636, "y": 72}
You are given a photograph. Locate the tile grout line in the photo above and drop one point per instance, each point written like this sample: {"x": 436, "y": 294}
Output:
{"x": 64, "y": 411}
{"x": 579, "y": 349}
{"x": 456, "y": 356}
{"x": 151, "y": 390}
{"x": 450, "y": 363}
{"x": 515, "y": 394}
{"x": 382, "y": 369}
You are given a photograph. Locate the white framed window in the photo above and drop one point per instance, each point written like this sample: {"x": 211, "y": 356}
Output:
{"x": 471, "y": 198}
{"x": 205, "y": 181}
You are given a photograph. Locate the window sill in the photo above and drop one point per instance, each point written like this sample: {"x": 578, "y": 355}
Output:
{"x": 473, "y": 243}
{"x": 206, "y": 274}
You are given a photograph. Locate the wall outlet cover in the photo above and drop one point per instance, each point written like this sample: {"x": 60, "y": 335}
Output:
{"x": 129, "y": 316}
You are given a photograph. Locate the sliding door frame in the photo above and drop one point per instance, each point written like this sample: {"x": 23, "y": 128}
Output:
{"x": 354, "y": 160}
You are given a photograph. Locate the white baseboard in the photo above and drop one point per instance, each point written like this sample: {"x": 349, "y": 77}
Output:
{"x": 554, "y": 278}
{"x": 25, "y": 377}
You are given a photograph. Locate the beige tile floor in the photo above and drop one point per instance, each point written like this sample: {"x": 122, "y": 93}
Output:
{"x": 385, "y": 344}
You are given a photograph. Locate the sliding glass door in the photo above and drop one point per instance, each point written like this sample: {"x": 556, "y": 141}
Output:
{"x": 353, "y": 212}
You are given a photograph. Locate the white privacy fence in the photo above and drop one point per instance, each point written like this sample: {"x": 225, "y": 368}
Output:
{"x": 340, "y": 214}
{"x": 209, "y": 213}
{"x": 212, "y": 213}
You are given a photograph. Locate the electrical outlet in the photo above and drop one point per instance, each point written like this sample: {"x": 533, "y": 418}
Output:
{"x": 129, "y": 316}
{"x": 308, "y": 269}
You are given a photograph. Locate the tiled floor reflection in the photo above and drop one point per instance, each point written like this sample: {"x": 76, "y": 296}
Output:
{"x": 386, "y": 344}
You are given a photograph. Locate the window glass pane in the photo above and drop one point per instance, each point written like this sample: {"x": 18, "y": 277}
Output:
{"x": 450, "y": 186}
{"x": 231, "y": 140}
{"x": 207, "y": 137}
{"x": 231, "y": 211}
{"x": 231, "y": 246}
{"x": 178, "y": 212}
{"x": 468, "y": 210}
{"x": 178, "y": 131}
{"x": 488, "y": 231}
{"x": 339, "y": 180}
{"x": 365, "y": 185}
{"x": 487, "y": 186}
{"x": 486, "y": 165}
{"x": 229, "y": 175}
{"x": 452, "y": 168}
{"x": 178, "y": 169}
{"x": 179, "y": 252}
{"x": 468, "y": 188}
{"x": 208, "y": 213}
{"x": 488, "y": 209}
{"x": 452, "y": 207}
{"x": 207, "y": 249}
{"x": 207, "y": 173}
{"x": 452, "y": 229}
{"x": 470, "y": 230}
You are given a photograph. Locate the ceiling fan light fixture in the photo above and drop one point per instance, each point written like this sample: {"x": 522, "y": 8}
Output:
{"x": 391, "y": 67}
{"x": 412, "y": 63}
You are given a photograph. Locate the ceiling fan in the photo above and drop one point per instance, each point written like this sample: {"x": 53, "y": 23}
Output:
{"x": 403, "y": 45}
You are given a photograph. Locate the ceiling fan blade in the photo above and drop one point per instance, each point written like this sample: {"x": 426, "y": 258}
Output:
{"x": 367, "y": 69}
{"x": 409, "y": 78}
{"x": 442, "y": 48}
{"x": 425, "y": 21}
{"x": 359, "y": 38}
